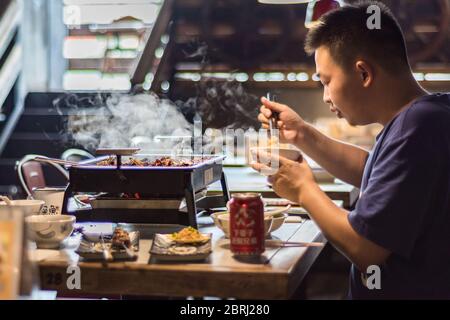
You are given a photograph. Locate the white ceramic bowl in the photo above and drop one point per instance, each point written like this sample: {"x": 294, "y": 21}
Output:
{"x": 29, "y": 207}
{"x": 278, "y": 221}
{"x": 264, "y": 153}
{"x": 49, "y": 231}
{"x": 222, "y": 221}
{"x": 53, "y": 198}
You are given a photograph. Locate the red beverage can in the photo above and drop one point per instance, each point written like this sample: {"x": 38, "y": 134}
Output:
{"x": 247, "y": 224}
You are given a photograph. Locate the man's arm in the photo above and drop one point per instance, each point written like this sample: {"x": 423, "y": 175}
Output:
{"x": 295, "y": 181}
{"x": 334, "y": 223}
{"x": 343, "y": 160}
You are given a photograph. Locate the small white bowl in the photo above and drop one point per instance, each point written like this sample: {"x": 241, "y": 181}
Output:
{"x": 278, "y": 221}
{"x": 29, "y": 207}
{"x": 49, "y": 231}
{"x": 222, "y": 221}
{"x": 264, "y": 153}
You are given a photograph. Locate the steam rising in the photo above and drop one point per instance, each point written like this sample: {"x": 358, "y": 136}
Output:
{"x": 122, "y": 121}
{"x": 222, "y": 105}
{"x": 157, "y": 125}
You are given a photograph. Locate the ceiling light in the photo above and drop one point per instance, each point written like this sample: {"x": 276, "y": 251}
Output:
{"x": 318, "y": 8}
{"x": 283, "y": 1}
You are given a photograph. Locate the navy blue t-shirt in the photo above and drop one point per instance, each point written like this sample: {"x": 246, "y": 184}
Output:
{"x": 405, "y": 204}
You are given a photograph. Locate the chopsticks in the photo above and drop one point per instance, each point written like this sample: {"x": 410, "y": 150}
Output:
{"x": 273, "y": 121}
{"x": 290, "y": 244}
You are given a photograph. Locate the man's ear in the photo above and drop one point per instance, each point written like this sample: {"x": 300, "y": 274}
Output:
{"x": 366, "y": 73}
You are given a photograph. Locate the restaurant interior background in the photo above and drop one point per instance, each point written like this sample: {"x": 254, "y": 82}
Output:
{"x": 179, "y": 50}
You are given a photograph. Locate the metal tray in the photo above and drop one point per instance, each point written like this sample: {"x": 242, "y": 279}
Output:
{"x": 165, "y": 249}
{"x": 208, "y": 160}
{"x": 158, "y": 181}
{"x": 92, "y": 250}
{"x": 107, "y": 202}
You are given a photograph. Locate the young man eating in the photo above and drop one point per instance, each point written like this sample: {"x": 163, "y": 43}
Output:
{"x": 401, "y": 222}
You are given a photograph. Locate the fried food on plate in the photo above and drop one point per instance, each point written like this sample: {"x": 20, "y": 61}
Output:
{"x": 189, "y": 236}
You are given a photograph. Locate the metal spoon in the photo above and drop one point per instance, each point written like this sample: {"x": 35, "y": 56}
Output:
{"x": 106, "y": 252}
{"x": 129, "y": 252}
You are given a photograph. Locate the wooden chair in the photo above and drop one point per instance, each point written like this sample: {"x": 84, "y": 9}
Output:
{"x": 31, "y": 173}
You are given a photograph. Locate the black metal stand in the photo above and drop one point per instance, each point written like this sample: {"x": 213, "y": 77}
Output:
{"x": 146, "y": 216}
{"x": 226, "y": 192}
{"x": 67, "y": 194}
{"x": 191, "y": 207}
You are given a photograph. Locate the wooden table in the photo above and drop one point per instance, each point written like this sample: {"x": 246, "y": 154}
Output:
{"x": 245, "y": 179}
{"x": 276, "y": 276}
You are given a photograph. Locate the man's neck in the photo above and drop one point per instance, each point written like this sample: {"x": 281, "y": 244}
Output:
{"x": 401, "y": 97}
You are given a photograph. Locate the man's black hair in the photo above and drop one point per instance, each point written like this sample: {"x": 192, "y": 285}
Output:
{"x": 344, "y": 31}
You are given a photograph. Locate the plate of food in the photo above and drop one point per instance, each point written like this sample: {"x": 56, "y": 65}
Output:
{"x": 121, "y": 246}
{"x": 187, "y": 245}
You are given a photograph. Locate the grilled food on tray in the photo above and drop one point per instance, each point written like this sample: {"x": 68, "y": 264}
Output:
{"x": 111, "y": 161}
{"x": 189, "y": 236}
{"x": 121, "y": 238}
{"x": 163, "y": 162}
